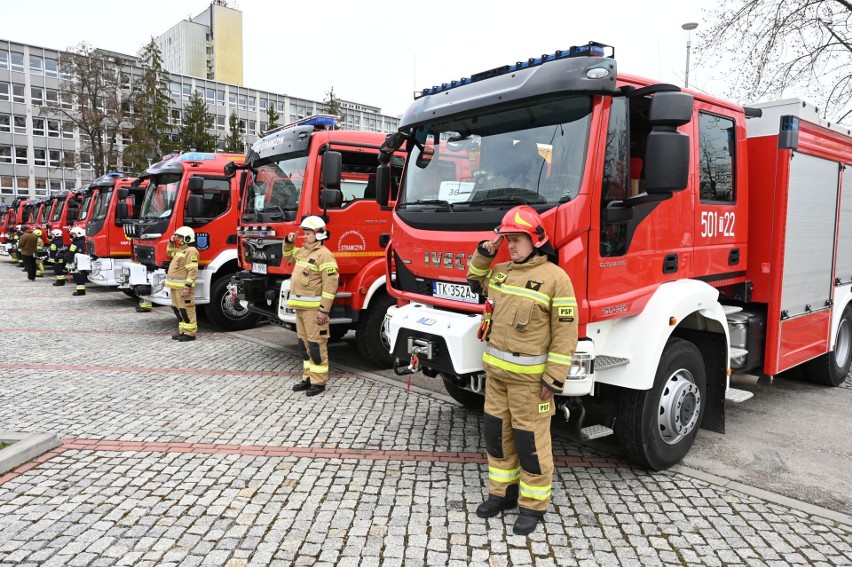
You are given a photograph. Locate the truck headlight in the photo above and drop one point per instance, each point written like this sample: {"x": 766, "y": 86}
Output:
{"x": 581, "y": 367}
{"x": 158, "y": 282}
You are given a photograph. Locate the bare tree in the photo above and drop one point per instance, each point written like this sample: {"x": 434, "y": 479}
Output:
{"x": 95, "y": 99}
{"x": 776, "y": 45}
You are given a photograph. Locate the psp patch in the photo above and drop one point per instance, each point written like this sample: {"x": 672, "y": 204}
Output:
{"x": 331, "y": 271}
{"x": 543, "y": 408}
{"x": 202, "y": 240}
{"x": 566, "y": 312}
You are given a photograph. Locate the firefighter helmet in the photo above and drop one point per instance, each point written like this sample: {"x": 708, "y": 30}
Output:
{"x": 186, "y": 234}
{"x": 37, "y": 232}
{"x": 77, "y": 232}
{"x": 56, "y": 233}
{"x": 315, "y": 224}
{"x": 524, "y": 219}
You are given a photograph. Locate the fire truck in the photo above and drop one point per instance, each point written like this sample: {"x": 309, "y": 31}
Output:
{"x": 702, "y": 238}
{"x": 107, "y": 247}
{"x": 14, "y": 216}
{"x": 189, "y": 189}
{"x": 307, "y": 168}
{"x": 65, "y": 205}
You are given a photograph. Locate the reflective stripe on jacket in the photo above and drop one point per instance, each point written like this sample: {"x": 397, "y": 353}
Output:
{"x": 183, "y": 268}
{"x": 313, "y": 284}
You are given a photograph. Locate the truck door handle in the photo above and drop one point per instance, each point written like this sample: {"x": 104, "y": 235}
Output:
{"x": 670, "y": 264}
{"x": 734, "y": 257}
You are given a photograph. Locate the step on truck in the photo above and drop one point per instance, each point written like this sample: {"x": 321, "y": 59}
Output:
{"x": 702, "y": 238}
{"x": 107, "y": 247}
{"x": 308, "y": 168}
{"x": 191, "y": 190}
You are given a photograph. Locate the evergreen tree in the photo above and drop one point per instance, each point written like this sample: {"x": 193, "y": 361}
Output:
{"x": 272, "y": 117}
{"x": 333, "y": 106}
{"x": 197, "y": 120}
{"x": 234, "y": 139}
{"x": 150, "y": 131}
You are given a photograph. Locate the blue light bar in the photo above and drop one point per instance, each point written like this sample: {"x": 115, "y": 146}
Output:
{"x": 318, "y": 121}
{"x": 195, "y": 156}
{"x": 591, "y": 49}
{"x": 789, "y": 123}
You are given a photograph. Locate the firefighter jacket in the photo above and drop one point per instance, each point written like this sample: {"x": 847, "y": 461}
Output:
{"x": 56, "y": 252}
{"x": 76, "y": 247}
{"x": 534, "y": 323}
{"x": 314, "y": 280}
{"x": 183, "y": 267}
{"x": 27, "y": 243}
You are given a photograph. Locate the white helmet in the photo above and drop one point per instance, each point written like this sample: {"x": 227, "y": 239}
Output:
{"x": 56, "y": 233}
{"x": 77, "y": 231}
{"x": 316, "y": 224}
{"x": 187, "y": 234}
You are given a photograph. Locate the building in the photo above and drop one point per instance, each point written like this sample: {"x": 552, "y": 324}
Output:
{"x": 207, "y": 46}
{"x": 34, "y": 146}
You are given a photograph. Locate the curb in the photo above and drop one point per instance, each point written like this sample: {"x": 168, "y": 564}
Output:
{"x": 24, "y": 447}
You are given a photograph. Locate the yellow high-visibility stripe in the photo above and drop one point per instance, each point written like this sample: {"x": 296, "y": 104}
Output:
{"x": 512, "y": 367}
{"x": 328, "y": 295}
{"x": 307, "y": 265}
{"x": 559, "y": 358}
{"x": 307, "y": 365}
{"x": 537, "y": 296}
{"x": 564, "y": 301}
{"x": 504, "y": 475}
{"x": 535, "y": 492}
{"x": 319, "y": 369}
{"x": 299, "y": 303}
{"x": 288, "y": 253}
{"x": 476, "y": 271}
{"x": 328, "y": 265}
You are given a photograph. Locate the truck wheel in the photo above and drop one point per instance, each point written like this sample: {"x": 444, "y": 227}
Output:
{"x": 656, "y": 427}
{"x": 468, "y": 399}
{"x": 371, "y": 335}
{"x": 222, "y": 312}
{"x": 831, "y": 368}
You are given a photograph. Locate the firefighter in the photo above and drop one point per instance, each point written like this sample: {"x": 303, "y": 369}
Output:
{"x": 40, "y": 253}
{"x": 183, "y": 269}
{"x": 530, "y": 341}
{"x": 313, "y": 288}
{"x": 27, "y": 244}
{"x": 14, "y": 252}
{"x": 56, "y": 252}
{"x": 78, "y": 238}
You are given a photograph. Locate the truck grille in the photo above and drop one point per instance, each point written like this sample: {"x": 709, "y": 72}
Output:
{"x": 144, "y": 254}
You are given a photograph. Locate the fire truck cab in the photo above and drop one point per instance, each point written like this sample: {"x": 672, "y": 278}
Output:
{"x": 701, "y": 238}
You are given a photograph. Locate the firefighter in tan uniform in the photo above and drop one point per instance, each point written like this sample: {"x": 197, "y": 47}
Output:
{"x": 180, "y": 279}
{"x": 312, "y": 291}
{"x": 530, "y": 340}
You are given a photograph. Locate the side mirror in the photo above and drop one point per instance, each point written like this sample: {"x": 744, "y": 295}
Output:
{"x": 120, "y": 212}
{"x": 425, "y": 156}
{"x": 383, "y": 184}
{"x": 667, "y": 150}
{"x": 196, "y": 183}
{"x": 122, "y": 193}
{"x": 230, "y": 169}
{"x": 332, "y": 168}
{"x": 195, "y": 206}
{"x": 392, "y": 143}
{"x": 331, "y": 198}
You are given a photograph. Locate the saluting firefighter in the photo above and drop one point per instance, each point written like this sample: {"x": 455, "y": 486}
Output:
{"x": 56, "y": 253}
{"x": 183, "y": 270}
{"x": 530, "y": 341}
{"x": 312, "y": 291}
{"x": 78, "y": 240}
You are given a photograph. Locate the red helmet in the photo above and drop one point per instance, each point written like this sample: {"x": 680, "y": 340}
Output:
{"x": 525, "y": 219}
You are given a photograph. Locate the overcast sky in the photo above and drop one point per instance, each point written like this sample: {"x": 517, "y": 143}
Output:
{"x": 378, "y": 53}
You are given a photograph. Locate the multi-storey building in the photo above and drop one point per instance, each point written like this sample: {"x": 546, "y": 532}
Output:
{"x": 35, "y": 145}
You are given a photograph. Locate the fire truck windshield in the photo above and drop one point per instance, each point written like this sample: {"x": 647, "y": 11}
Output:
{"x": 56, "y": 215}
{"x": 533, "y": 154}
{"x": 84, "y": 208}
{"x": 160, "y": 197}
{"x": 99, "y": 209}
{"x": 275, "y": 189}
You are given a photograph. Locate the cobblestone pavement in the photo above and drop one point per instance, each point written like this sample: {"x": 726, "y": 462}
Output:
{"x": 200, "y": 454}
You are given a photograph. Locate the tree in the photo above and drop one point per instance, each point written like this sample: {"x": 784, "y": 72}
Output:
{"x": 333, "y": 106}
{"x": 150, "y": 132}
{"x": 197, "y": 120}
{"x": 234, "y": 139}
{"x": 778, "y": 45}
{"x": 272, "y": 117}
{"x": 95, "y": 100}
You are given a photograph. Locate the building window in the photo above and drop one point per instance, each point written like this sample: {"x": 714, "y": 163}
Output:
{"x": 5, "y": 123}
{"x": 36, "y": 65}
{"x": 64, "y": 71}
{"x": 242, "y": 125}
{"x": 7, "y": 183}
{"x": 20, "y": 124}
{"x": 4, "y": 91}
{"x": 37, "y": 95}
{"x": 176, "y": 116}
{"x": 232, "y": 99}
{"x": 220, "y": 122}
{"x": 55, "y": 185}
{"x": 4, "y": 59}
{"x": 51, "y": 68}
{"x": 280, "y": 106}
{"x": 5, "y": 154}
{"x": 67, "y": 100}
{"x": 262, "y": 127}
{"x": 21, "y": 156}
{"x": 210, "y": 96}
{"x": 251, "y": 102}
{"x": 23, "y": 184}
{"x": 52, "y": 128}
{"x": 38, "y": 126}
{"x": 68, "y": 130}
{"x": 41, "y": 186}
{"x": 17, "y": 62}
{"x": 252, "y": 127}
{"x": 220, "y": 98}
{"x": 18, "y": 93}
{"x": 174, "y": 88}
{"x": 39, "y": 157}
{"x": 187, "y": 92}
{"x": 263, "y": 103}
{"x": 242, "y": 99}
{"x": 54, "y": 158}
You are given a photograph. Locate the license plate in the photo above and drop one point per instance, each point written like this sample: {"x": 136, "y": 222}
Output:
{"x": 258, "y": 268}
{"x": 458, "y": 292}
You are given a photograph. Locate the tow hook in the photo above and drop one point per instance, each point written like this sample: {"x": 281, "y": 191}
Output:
{"x": 413, "y": 366}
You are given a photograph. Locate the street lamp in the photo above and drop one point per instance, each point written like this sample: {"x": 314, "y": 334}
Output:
{"x": 688, "y": 27}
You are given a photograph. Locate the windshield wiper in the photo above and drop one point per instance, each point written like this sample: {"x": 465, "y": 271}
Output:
{"x": 427, "y": 202}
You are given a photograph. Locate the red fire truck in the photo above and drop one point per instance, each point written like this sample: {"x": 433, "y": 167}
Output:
{"x": 65, "y": 205}
{"x": 187, "y": 190}
{"x": 107, "y": 247}
{"x": 14, "y": 217}
{"x": 702, "y": 238}
{"x": 307, "y": 168}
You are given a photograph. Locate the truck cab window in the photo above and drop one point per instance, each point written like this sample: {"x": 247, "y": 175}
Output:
{"x": 717, "y": 148}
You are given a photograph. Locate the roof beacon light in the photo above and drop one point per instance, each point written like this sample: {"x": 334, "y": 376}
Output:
{"x": 591, "y": 49}
{"x": 318, "y": 121}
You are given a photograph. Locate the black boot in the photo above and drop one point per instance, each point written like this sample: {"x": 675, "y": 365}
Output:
{"x": 176, "y": 337}
{"x": 142, "y": 310}
{"x": 527, "y": 522}
{"x": 302, "y": 385}
{"x": 79, "y": 292}
{"x": 185, "y": 338}
{"x": 59, "y": 283}
{"x": 493, "y": 505}
{"x": 315, "y": 390}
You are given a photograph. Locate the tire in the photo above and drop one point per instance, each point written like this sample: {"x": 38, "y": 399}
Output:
{"x": 337, "y": 332}
{"x": 129, "y": 292}
{"x": 468, "y": 399}
{"x": 831, "y": 368}
{"x": 657, "y": 427}
{"x": 221, "y": 311}
{"x": 371, "y": 337}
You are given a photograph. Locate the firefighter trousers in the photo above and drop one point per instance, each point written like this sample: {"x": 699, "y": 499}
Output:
{"x": 184, "y": 308}
{"x": 517, "y": 438}
{"x": 313, "y": 343}
{"x": 59, "y": 271}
